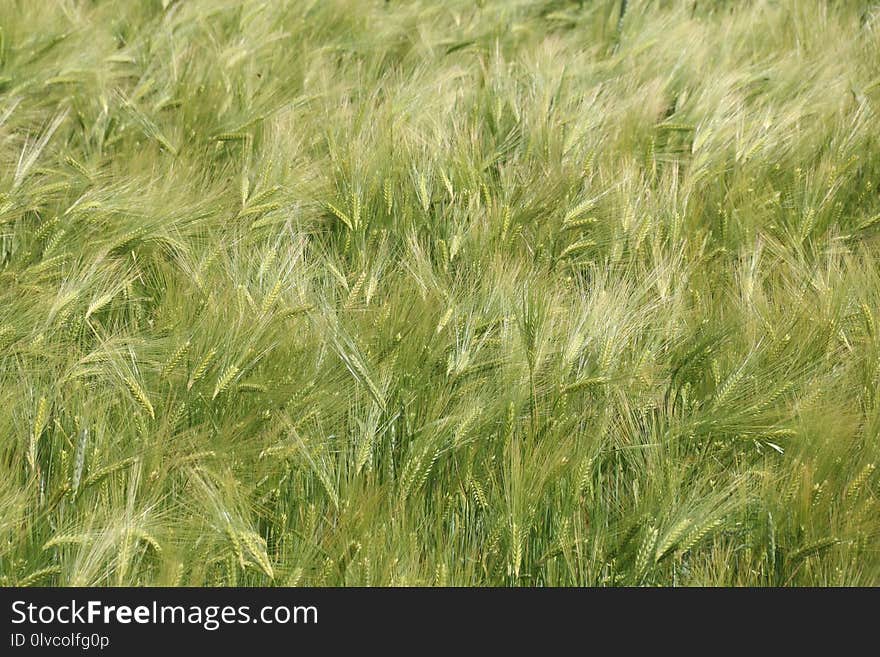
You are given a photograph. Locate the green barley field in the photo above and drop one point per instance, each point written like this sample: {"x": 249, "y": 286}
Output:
{"x": 508, "y": 293}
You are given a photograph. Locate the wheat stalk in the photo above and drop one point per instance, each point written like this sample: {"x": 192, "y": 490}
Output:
{"x": 40, "y": 419}
{"x": 201, "y": 369}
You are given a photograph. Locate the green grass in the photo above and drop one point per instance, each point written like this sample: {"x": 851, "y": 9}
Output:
{"x": 349, "y": 292}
